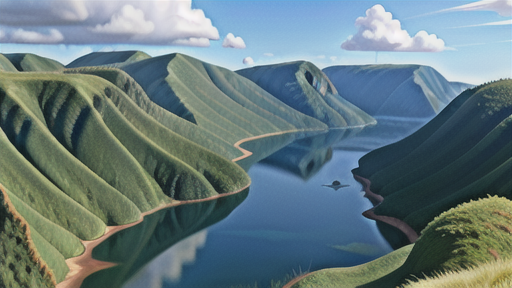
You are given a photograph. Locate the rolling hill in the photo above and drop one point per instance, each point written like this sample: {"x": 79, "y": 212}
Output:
{"x": 115, "y": 58}
{"x": 27, "y": 62}
{"x": 395, "y": 90}
{"x": 304, "y": 87}
{"x": 464, "y": 153}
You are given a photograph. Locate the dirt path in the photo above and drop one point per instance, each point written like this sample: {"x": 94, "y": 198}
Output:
{"x": 376, "y": 200}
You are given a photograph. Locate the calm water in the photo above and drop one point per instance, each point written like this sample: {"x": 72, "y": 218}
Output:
{"x": 287, "y": 224}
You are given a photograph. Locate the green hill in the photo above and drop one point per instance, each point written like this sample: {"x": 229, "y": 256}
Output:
{"x": 467, "y": 236}
{"x": 215, "y": 98}
{"x": 6, "y": 65}
{"x": 27, "y": 62}
{"x": 91, "y": 147}
{"x": 108, "y": 58}
{"x": 462, "y": 154}
{"x": 77, "y": 155}
{"x": 304, "y": 87}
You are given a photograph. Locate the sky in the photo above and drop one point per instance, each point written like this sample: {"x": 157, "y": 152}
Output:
{"x": 468, "y": 41}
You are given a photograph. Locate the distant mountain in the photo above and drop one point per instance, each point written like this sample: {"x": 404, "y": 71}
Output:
{"x": 108, "y": 58}
{"x": 304, "y": 87}
{"x": 26, "y": 62}
{"x": 395, "y": 90}
{"x": 463, "y": 154}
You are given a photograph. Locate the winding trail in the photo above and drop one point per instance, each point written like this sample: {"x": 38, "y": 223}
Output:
{"x": 376, "y": 200}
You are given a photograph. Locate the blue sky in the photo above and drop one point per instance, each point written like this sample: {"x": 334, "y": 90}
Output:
{"x": 467, "y": 48}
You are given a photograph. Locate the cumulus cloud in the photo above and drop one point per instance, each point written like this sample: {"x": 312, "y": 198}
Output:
{"x": 333, "y": 58}
{"x": 502, "y": 7}
{"x": 153, "y": 22}
{"x": 127, "y": 21}
{"x": 248, "y": 61}
{"x": 24, "y": 36}
{"x": 378, "y": 31}
{"x": 230, "y": 41}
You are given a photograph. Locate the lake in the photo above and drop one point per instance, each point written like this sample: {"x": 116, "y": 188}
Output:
{"x": 285, "y": 225}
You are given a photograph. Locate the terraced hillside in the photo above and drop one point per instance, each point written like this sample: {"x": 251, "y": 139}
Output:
{"x": 395, "y": 90}
{"x": 463, "y": 154}
{"x": 304, "y": 87}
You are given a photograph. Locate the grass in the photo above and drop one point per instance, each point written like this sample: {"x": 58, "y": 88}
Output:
{"x": 465, "y": 237}
{"x": 314, "y": 95}
{"x": 494, "y": 274}
{"x": 461, "y": 155}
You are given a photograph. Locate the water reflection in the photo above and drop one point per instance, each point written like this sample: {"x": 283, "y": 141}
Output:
{"x": 288, "y": 220}
{"x": 304, "y": 157}
{"x": 132, "y": 248}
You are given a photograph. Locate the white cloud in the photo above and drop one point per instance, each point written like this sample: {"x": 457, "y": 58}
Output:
{"x": 502, "y": 7}
{"x": 24, "y": 36}
{"x": 268, "y": 54}
{"x": 153, "y": 22}
{"x": 248, "y": 61}
{"x": 498, "y": 23}
{"x": 378, "y": 31}
{"x": 168, "y": 266}
{"x": 333, "y": 58}
{"x": 127, "y": 21}
{"x": 320, "y": 57}
{"x": 230, "y": 41}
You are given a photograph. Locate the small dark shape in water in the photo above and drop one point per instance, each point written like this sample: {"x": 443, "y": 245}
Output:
{"x": 336, "y": 185}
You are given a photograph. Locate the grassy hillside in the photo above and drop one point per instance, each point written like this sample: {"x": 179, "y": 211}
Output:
{"x": 91, "y": 147}
{"x": 304, "y": 87}
{"x": 77, "y": 155}
{"x": 26, "y": 62}
{"x": 462, "y": 154}
{"x": 467, "y": 236}
{"x": 108, "y": 58}
{"x": 394, "y": 90}
{"x": 214, "y": 98}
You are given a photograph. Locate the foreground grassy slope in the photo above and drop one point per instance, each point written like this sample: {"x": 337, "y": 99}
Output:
{"x": 21, "y": 263}
{"x": 466, "y": 236}
{"x": 306, "y": 88}
{"x": 464, "y": 153}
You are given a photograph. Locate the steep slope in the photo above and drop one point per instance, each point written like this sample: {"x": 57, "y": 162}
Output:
{"x": 26, "y": 62}
{"x": 108, "y": 58}
{"x": 464, "y": 153}
{"x": 6, "y": 65}
{"x": 395, "y": 90}
{"x": 215, "y": 99}
{"x": 78, "y": 154}
{"x": 304, "y": 87}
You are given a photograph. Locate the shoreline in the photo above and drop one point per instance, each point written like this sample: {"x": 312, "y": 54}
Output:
{"x": 80, "y": 267}
{"x": 376, "y": 200}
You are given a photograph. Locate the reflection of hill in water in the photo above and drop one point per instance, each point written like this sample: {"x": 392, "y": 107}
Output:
{"x": 304, "y": 157}
{"x": 132, "y": 248}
